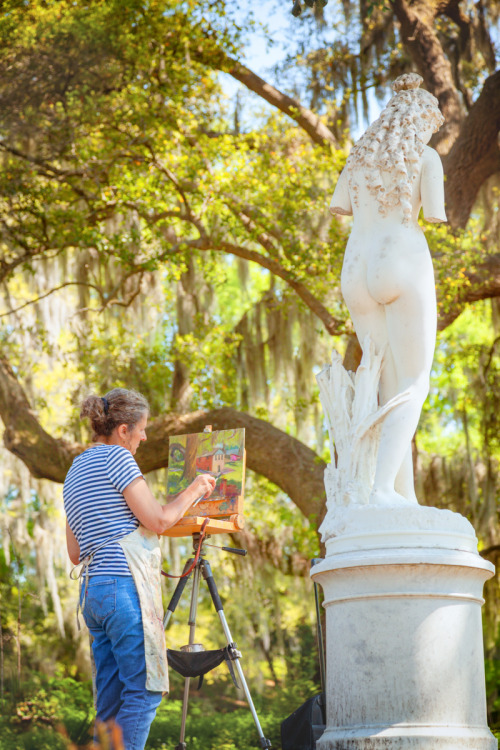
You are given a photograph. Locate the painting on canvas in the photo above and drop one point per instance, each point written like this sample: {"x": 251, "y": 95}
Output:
{"x": 220, "y": 454}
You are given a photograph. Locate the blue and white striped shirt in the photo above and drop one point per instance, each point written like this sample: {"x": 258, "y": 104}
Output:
{"x": 95, "y": 506}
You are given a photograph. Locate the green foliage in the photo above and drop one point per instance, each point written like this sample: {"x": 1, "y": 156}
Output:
{"x": 211, "y": 727}
{"x": 135, "y": 188}
{"x": 464, "y": 350}
{"x": 46, "y": 713}
{"x": 54, "y": 713}
{"x": 492, "y": 672}
{"x": 464, "y": 387}
{"x": 41, "y": 739}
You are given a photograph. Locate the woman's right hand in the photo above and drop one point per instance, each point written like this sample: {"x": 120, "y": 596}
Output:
{"x": 204, "y": 485}
{"x": 159, "y": 518}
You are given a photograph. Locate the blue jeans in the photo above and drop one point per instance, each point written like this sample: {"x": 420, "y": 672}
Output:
{"x": 113, "y": 616}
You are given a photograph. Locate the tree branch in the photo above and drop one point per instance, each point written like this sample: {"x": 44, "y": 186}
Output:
{"x": 333, "y": 326}
{"x": 484, "y": 283}
{"x": 282, "y": 459}
{"x": 44, "y": 456}
{"x": 47, "y": 294}
{"x": 307, "y": 120}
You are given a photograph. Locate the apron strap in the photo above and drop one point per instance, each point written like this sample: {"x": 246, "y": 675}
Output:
{"x": 77, "y": 576}
{"x": 83, "y": 565}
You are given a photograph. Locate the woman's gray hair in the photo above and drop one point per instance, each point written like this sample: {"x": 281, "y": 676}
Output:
{"x": 118, "y": 406}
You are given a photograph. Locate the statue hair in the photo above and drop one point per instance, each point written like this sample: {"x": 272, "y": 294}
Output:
{"x": 392, "y": 145}
{"x": 119, "y": 406}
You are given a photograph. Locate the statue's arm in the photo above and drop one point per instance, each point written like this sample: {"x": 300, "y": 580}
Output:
{"x": 432, "y": 187}
{"x": 341, "y": 201}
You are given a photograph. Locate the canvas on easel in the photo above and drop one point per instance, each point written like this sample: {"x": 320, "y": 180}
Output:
{"x": 220, "y": 454}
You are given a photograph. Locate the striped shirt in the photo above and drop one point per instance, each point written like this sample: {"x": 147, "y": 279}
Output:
{"x": 95, "y": 507}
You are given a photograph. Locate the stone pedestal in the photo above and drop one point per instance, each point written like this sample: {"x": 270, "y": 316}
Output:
{"x": 405, "y": 664}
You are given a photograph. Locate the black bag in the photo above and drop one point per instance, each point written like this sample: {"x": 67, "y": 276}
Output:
{"x": 198, "y": 663}
{"x": 304, "y": 727}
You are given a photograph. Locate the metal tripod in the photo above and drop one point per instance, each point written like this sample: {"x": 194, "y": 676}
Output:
{"x": 202, "y": 568}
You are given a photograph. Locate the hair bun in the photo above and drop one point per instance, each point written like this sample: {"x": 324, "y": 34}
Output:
{"x": 406, "y": 82}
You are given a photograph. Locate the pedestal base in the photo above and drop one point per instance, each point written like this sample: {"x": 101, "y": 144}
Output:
{"x": 405, "y": 663}
{"x": 411, "y": 737}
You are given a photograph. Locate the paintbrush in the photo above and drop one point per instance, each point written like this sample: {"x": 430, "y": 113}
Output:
{"x": 216, "y": 477}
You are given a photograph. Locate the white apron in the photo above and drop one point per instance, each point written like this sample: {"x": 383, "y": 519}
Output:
{"x": 142, "y": 551}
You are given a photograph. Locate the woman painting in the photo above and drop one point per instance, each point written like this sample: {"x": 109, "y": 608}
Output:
{"x": 387, "y": 277}
{"x": 112, "y": 525}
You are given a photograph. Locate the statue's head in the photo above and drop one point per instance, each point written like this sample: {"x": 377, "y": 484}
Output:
{"x": 412, "y": 108}
{"x": 394, "y": 144}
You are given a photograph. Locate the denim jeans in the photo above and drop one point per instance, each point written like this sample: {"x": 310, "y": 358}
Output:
{"x": 113, "y": 616}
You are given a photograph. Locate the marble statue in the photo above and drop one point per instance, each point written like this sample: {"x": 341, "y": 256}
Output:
{"x": 388, "y": 285}
{"x": 402, "y": 581}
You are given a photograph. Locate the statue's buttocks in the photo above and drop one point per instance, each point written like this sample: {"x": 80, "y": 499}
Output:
{"x": 380, "y": 267}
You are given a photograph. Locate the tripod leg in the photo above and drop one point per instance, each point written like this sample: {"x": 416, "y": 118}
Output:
{"x": 192, "y": 632}
{"x": 208, "y": 576}
{"x": 174, "y": 601}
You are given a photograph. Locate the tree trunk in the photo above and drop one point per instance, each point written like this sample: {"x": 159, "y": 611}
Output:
{"x": 189, "y": 472}
{"x": 475, "y": 155}
{"x": 420, "y": 39}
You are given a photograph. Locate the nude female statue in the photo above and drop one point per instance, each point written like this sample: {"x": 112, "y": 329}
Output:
{"x": 387, "y": 277}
